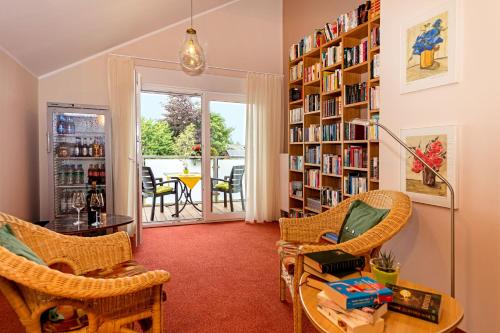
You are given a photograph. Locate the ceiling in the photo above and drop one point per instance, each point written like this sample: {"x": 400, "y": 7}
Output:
{"x": 50, "y": 34}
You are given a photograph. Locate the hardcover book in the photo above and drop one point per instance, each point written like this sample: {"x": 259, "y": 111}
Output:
{"x": 334, "y": 261}
{"x": 347, "y": 324}
{"x": 358, "y": 292}
{"x": 416, "y": 303}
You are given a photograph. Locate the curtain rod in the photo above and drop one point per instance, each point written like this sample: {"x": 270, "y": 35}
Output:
{"x": 178, "y": 63}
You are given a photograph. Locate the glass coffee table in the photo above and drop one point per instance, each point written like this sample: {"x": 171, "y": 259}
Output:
{"x": 108, "y": 222}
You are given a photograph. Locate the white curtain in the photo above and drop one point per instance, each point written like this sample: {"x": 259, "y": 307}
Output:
{"x": 121, "y": 89}
{"x": 263, "y": 136}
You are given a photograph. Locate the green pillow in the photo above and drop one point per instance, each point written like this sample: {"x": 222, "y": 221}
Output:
{"x": 14, "y": 245}
{"x": 360, "y": 218}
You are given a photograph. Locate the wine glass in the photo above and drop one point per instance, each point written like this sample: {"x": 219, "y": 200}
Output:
{"x": 96, "y": 203}
{"x": 78, "y": 204}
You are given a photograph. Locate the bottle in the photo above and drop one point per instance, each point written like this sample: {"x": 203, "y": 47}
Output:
{"x": 102, "y": 174}
{"x": 103, "y": 208}
{"x": 101, "y": 147}
{"x": 63, "y": 205}
{"x": 81, "y": 174}
{"x": 76, "y": 174}
{"x": 60, "y": 127}
{"x": 92, "y": 213}
{"x": 68, "y": 129}
{"x": 95, "y": 148}
{"x": 67, "y": 175}
{"x": 90, "y": 173}
{"x": 90, "y": 150}
{"x": 62, "y": 176}
{"x": 77, "y": 147}
{"x": 85, "y": 148}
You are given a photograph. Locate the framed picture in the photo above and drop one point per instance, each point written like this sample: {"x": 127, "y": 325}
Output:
{"x": 438, "y": 147}
{"x": 429, "y": 53}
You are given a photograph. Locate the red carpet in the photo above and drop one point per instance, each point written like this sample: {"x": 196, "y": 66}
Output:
{"x": 224, "y": 279}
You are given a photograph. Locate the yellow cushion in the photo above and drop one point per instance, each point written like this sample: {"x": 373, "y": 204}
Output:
{"x": 164, "y": 189}
{"x": 222, "y": 186}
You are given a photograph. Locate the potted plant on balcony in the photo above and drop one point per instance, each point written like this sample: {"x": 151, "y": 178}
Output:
{"x": 385, "y": 268}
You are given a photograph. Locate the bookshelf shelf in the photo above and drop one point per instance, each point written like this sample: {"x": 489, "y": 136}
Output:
{"x": 333, "y": 102}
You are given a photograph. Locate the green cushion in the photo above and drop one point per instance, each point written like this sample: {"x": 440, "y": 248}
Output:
{"x": 360, "y": 218}
{"x": 164, "y": 189}
{"x": 14, "y": 245}
{"x": 223, "y": 186}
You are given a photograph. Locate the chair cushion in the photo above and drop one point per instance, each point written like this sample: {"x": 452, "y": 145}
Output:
{"x": 14, "y": 245}
{"x": 164, "y": 189}
{"x": 222, "y": 186}
{"x": 360, "y": 218}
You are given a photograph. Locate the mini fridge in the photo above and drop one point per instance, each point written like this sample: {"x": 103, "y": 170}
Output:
{"x": 79, "y": 148}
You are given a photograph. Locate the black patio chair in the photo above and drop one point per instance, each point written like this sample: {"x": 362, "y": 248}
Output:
{"x": 156, "y": 187}
{"x": 229, "y": 185}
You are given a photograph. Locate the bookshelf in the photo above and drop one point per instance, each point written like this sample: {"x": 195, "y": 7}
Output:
{"x": 324, "y": 98}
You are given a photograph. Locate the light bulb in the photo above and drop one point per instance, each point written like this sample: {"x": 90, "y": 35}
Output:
{"x": 191, "y": 55}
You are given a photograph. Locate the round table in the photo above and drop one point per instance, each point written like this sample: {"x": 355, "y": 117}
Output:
{"x": 65, "y": 225}
{"x": 451, "y": 315}
{"x": 188, "y": 181}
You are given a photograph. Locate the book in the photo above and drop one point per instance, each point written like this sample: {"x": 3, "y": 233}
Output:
{"x": 325, "y": 277}
{"x": 350, "y": 325}
{"x": 334, "y": 261}
{"x": 358, "y": 292}
{"x": 368, "y": 314}
{"x": 416, "y": 303}
{"x": 330, "y": 237}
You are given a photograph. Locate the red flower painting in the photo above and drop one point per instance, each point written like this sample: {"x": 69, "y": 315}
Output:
{"x": 434, "y": 154}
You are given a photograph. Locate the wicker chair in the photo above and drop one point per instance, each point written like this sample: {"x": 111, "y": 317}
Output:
{"x": 112, "y": 305}
{"x": 307, "y": 233}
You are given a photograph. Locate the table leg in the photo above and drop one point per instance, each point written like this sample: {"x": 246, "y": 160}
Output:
{"x": 184, "y": 192}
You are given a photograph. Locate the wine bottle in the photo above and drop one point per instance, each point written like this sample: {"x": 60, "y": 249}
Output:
{"x": 92, "y": 213}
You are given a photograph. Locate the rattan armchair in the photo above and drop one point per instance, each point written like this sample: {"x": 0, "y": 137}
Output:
{"x": 112, "y": 305}
{"x": 307, "y": 233}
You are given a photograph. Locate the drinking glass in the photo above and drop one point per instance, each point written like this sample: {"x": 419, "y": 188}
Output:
{"x": 96, "y": 203}
{"x": 78, "y": 204}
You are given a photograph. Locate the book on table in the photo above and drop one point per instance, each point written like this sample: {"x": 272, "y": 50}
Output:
{"x": 334, "y": 261}
{"x": 350, "y": 325}
{"x": 317, "y": 279}
{"x": 416, "y": 303}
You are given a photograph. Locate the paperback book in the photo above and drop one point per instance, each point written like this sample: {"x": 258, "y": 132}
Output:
{"x": 416, "y": 303}
{"x": 358, "y": 292}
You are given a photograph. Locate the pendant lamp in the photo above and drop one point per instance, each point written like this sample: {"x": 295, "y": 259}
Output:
{"x": 191, "y": 55}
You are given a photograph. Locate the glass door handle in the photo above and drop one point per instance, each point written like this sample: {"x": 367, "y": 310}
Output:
{"x": 48, "y": 142}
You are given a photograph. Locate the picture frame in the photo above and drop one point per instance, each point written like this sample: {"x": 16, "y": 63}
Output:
{"x": 438, "y": 146}
{"x": 430, "y": 50}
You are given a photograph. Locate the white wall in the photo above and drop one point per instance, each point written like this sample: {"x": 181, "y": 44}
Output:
{"x": 246, "y": 35}
{"x": 423, "y": 246}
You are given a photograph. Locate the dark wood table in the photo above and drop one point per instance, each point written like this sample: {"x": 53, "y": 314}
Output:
{"x": 109, "y": 221}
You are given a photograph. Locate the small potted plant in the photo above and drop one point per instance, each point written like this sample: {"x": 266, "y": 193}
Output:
{"x": 385, "y": 268}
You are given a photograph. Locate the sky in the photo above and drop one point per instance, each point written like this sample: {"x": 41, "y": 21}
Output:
{"x": 233, "y": 113}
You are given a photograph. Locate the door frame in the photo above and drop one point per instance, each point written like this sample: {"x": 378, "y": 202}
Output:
{"x": 206, "y": 97}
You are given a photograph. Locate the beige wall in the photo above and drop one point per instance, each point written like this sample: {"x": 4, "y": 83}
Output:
{"x": 245, "y": 35}
{"x": 18, "y": 140}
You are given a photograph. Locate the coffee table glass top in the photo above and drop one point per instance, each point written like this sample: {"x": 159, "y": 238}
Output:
{"x": 65, "y": 225}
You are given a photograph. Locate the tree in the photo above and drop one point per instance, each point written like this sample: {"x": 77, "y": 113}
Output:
{"x": 185, "y": 141}
{"x": 156, "y": 138}
{"x": 220, "y": 134}
{"x": 181, "y": 111}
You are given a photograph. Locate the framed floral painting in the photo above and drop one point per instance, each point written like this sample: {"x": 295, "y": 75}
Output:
{"x": 429, "y": 54}
{"x": 438, "y": 148}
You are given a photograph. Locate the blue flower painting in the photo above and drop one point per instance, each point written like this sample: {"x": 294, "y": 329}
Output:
{"x": 429, "y": 39}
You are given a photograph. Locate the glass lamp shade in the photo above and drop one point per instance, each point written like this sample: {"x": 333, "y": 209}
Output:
{"x": 191, "y": 55}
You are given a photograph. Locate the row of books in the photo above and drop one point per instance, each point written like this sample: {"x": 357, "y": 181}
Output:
{"x": 296, "y": 134}
{"x": 297, "y": 71}
{"x": 375, "y": 37}
{"x": 306, "y": 44}
{"x": 355, "y": 131}
{"x": 296, "y": 115}
{"x": 296, "y": 188}
{"x": 356, "y": 157}
{"x": 312, "y": 73}
{"x": 296, "y": 162}
{"x": 375, "y": 66}
{"x": 332, "y": 164}
{"x": 356, "y": 54}
{"x": 312, "y": 178}
{"x": 331, "y": 132}
{"x": 355, "y": 183}
{"x": 356, "y": 93}
{"x": 330, "y": 196}
{"x": 352, "y": 19}
{"x": 332, "y": 55}
{"x": 374, "y": 168}
{"x": 296, "y": 213}
{"x": 332, "y": 107}
{"x": 373, "y": 130}
{"x": 313, "y": 155}
{"x": 332, "y": 80}
{"x": 314, "y": 203}
{"x": 374, "y": 101}
{"x": 312, "y": 103}
{"x": 312, "y": 133}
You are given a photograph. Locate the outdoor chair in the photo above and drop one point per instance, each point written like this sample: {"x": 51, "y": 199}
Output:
{"x": 156, "y": 187}
{"x": 303, "y": 235}
{"x": 229, "y": 185}
{"x": 110, "y": 304}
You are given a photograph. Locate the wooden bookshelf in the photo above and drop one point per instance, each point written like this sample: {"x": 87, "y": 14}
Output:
{"x": 354, "y": 74}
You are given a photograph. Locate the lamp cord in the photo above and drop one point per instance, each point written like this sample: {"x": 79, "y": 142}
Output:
{"x": 191, "y": 13}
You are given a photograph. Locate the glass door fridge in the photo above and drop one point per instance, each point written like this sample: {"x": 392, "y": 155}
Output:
{"x": 79, "y": 155}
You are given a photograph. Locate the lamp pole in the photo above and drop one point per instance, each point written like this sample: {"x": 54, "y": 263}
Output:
{"x": 450, "y": 187}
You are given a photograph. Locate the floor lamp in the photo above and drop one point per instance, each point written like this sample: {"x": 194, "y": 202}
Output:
{"x": 371, "y": 122}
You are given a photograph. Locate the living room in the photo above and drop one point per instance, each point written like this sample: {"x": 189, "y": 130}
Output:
{"x": 198, "y": 199}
